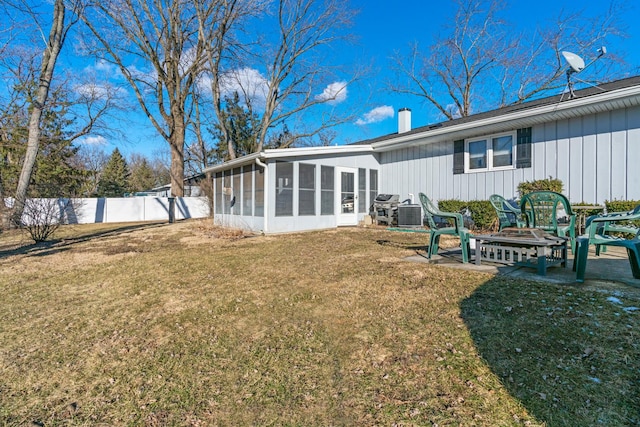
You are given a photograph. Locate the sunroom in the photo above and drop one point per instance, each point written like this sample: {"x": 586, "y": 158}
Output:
{"x": 297, "y": 189}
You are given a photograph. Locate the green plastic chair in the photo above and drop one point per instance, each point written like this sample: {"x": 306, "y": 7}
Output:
{"x": 541, "y": 210}
{"x": 620, "y": 226}
{"x": 508, "y": 215}
{"x": 430, "y": 211}
{"x": 596, "y": 234}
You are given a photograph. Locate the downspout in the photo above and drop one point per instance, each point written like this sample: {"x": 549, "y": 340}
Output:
{"x": 265, "y": 195}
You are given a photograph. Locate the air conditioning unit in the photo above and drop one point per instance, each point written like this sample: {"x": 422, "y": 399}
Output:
{"x": 409, "y": 216}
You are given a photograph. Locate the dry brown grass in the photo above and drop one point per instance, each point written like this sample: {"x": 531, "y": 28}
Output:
{"x": 186, "y": 324}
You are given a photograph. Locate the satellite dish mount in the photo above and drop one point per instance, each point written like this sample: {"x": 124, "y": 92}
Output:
{"x": 577, "y": 65}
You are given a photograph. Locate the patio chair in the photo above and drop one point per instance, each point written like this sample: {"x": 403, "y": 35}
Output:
{"x": 541, "y": 210}
{"x": 612, "y": 223}
{"x": 457, "y": 229}
{"x": 508, "y": 215}
{"x": 596, "y": 234}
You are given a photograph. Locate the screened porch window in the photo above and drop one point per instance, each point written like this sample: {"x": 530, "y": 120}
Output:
{"x": 247, "y": 190}
{"x": 259, "y": 192}
{"x": 306, "y": 189}
{"x": 227, "y": 193}
{"x": 284, "y": 189}
{"x": 373, "y": 185}
{"x": 237, "y": 192}
{"x": 218, "y": 194}
{"x": 362, "y": 190}
{"x": 326, "y": 190}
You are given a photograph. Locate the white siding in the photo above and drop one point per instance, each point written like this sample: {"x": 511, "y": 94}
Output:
{"x": 595, "y": 156}
{"x": 573, "y": 187}
{"x": 633, "y": 154}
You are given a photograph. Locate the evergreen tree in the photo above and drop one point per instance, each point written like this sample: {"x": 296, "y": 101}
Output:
{"x": 55, "y": 173}
{"x": 114, "y": 181}
{"x": 142, "y": 174}
{"x": 240, "y": 124}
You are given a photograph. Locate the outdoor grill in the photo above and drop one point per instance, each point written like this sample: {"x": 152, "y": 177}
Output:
{"x": 385, "y": 208}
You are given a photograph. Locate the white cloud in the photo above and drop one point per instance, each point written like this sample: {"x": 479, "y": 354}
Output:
{"x": 94, "y": 91}
{"x": 376, "y": 115}
{"x": 94, "y": 140}
{"x": 103, "y": 69}
{"x": 334, "y": 93}
{"x": 248, "y": 82}
{"x": 103, "y": 65}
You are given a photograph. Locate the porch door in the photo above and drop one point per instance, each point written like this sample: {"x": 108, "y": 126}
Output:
{"x": 348, "y": 196}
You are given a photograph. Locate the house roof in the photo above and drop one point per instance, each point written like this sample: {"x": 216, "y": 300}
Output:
{"x": 605, "y": 97}
{"x": 279, "y": 153}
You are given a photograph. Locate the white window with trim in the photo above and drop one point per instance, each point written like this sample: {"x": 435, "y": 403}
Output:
{"x": 492, "y": 152}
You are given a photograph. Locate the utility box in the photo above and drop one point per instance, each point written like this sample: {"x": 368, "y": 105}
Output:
{"x": 409, "y": 216}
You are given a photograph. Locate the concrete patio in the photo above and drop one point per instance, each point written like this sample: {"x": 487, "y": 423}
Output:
{"x": 611, "y": 266}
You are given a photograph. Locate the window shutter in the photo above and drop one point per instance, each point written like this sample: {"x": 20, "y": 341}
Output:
{"x": 458, "y": 156}
{"x": 523, "y": 149}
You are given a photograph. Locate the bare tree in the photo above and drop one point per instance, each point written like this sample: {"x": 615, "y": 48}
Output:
{"x": 219, "y": 26}
{"x": 166, "y": 38}
{"x": 92, "y": 160}
{"x": 57, "y": 34}
{"x": 296, "y": 76}
{"x": 482, "y": 62}
{"x": 539, "y": 67}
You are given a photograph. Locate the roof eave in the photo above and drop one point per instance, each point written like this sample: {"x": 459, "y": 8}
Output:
{"x": 283, "y": 153}
{"x": 522, "y": 118}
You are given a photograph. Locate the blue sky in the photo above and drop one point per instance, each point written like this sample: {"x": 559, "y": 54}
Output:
{"x": 383, "y": 29}
{"x": 380, "y": 28}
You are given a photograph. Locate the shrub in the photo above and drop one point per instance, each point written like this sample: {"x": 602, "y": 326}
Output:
{"x": 482, "y": 214}
{"x": 620, "y": 205}
{"x": 623, "y": 206}
{"x": 42, "y": 217}
{"x": 548, "y": 184}
{"x": 481, "y": 211}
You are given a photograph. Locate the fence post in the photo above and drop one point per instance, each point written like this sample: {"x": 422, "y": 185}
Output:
{"x": 172, "y": 210}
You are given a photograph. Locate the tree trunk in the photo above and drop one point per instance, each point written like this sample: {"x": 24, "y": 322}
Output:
{"x": 50, "y": 56}
{"x": 176, "y": 141}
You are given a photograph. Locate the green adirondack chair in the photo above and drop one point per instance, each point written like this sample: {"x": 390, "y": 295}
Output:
{"x": 597, "y": 234}
{"x": 457, "y": 229}
{"x": 541, "y": 210}
{"x": 508, "y": 215}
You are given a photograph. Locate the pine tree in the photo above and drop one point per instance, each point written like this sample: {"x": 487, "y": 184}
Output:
{"x": 114, "y": 181}
{"x": 55, "y": 172}
{"x": 142, "y": 175}
{"x": 240, "y": 125}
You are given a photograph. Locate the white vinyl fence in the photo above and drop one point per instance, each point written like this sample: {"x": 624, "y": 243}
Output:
{"x": 121, "y": 209}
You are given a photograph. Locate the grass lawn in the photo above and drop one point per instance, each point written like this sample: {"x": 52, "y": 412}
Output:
{"x": 182, "y": 324}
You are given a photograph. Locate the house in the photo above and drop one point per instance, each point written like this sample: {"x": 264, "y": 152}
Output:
{"x": 590, "y": 141}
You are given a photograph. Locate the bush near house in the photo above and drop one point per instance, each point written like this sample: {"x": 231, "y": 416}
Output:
{"x": 481, "y": 211}
{"x": 547, "y": 184}
{"x": 620, "y": 205}
{"x": 623, "y": 206}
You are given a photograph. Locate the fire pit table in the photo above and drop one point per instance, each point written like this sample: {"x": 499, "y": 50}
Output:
{"x": 528, "y": 247}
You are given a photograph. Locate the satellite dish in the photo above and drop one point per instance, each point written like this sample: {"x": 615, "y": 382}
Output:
{"x": 575, "y": 62}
